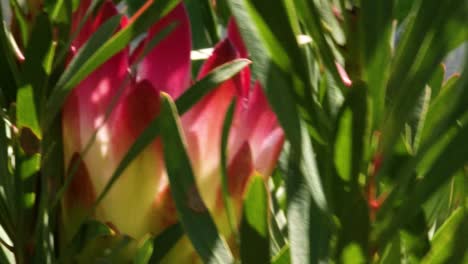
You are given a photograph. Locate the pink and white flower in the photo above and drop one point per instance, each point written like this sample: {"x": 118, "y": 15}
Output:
{"x": 140, "y": 201}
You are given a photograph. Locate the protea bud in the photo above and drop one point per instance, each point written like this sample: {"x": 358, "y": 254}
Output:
{"x": 140, "y": 201}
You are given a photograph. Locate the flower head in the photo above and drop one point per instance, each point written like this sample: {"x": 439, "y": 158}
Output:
{"x": 140, "y": 201}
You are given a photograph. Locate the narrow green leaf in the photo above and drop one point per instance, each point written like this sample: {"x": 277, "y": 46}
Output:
{"x": 376, "y": 43}
{"x": 109, "y": 48}
{"x": 414, "y": 241}
{"x": 224, "y": 165}
{"x": 437, "y": 80}
{"x": 6, "y": 181}
{"x": 392, "y": 253}
{"x": 449, "y": 243}
{"x": 447, "y": 157}
{"x": 426, "y": 42}
{"x": 275, "y": 29}
{"x": 23, "y": 23}
{"x": 203, "y": 24}
{"x": 99, "y": 38}
{"x": 209, "y": 82}
{"x": 352, "y": 135}
{"x": 441, "y": 108}
{"x": 133, "y": 6}
{"x": 309, "y": 14}
{"x": 283, "y": 257}
{"x": 27, "y": 109}
{"x": 10, "y": 79}
{"x": 164, "y": 242}
{"x": 192, "y": 211}
{"x": 144, "y": 252}
{"x": 308, "y": 224}
{"x": 254, "y": 232}
{"x": 88, "y": 231}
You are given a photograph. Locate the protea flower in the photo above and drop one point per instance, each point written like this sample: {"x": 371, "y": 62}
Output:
{"x": 140, "y": 201}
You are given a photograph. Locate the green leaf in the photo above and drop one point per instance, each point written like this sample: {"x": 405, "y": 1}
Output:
{"x": 164, "y": 242}
{"x": 283, "y": 257}
{"x": 414, "y": 241}
{"x": 392, "y": 253}
{"x": 209, "y": 82}
{"x": 308, "y": 223}
{"x": 144, "y": 252}
{"x": 203, "y": 24}
{"x": 29, "y": 94}
{"x": 133, "y": 6}
{"x": 310, "y": 16}
{"x": 230, "y": 214}
{"x": 80, "y": 67}
{"x": 425, "y": 43}
{"x": 352, "y": 135}
{"x": 88, "y": 231}
{"x": 10, "y": 79}
{"x": 402, "y": 9}
{"x": 23, "y": 23}
{"x": 254, "y": 232}
{"x": 449, "y": 243}
{"x": 85, "y": 53}
{"x": 440, "y": 109}
{"x": 376, "y": 43}
{"x": 437, "y": 167}
{"x": 273, "y": 24}
{"x": 6, "y": 181}
{"x": 109, "y": 48}
{"x": 437, "y": 80}
{"x": 193, "y": 214}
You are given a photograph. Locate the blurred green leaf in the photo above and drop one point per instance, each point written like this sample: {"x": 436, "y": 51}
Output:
{"x": 351, "y": 142}
{"x": 28, "y": 99}
{"x": 133, "y": 6}
{"x": 224, "y": 168}
{"x": 417, "y": 119}
{"x": 164, "y": 242}
{"x": 441, "y": 108}
{"x": 60, "y": 11}
{"x": 437, "y": 80}
{"x": 88, "y": 231}
{"x": 402, "y": 9}
{"x": 352, "y": 135}
{"x": 283, "y": 257}
{"x": 308, "y": 224}
{"x": 144, "y": 252}
{"x": 376, "y": 42}
{"x": 446, "y": 157}
{"x": 203, "y": 24}
{"x": 10, "y": 79}
{"x": 6, "y": 181}
{"x": 392, "y": 253}
{"x": 22, "y": 22}
{"x": 428, "y": 39}
{"x": 193, "y": 214}
{"x": 254, "y": 231}
{"x": 275, "y": 29}
{"x": 413, "y": 239}
{"x": 449, "y": 243}
{"x": 310, "y": 16}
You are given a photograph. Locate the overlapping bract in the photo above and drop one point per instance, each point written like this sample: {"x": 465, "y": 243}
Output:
{"x": 140, "y": 201}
